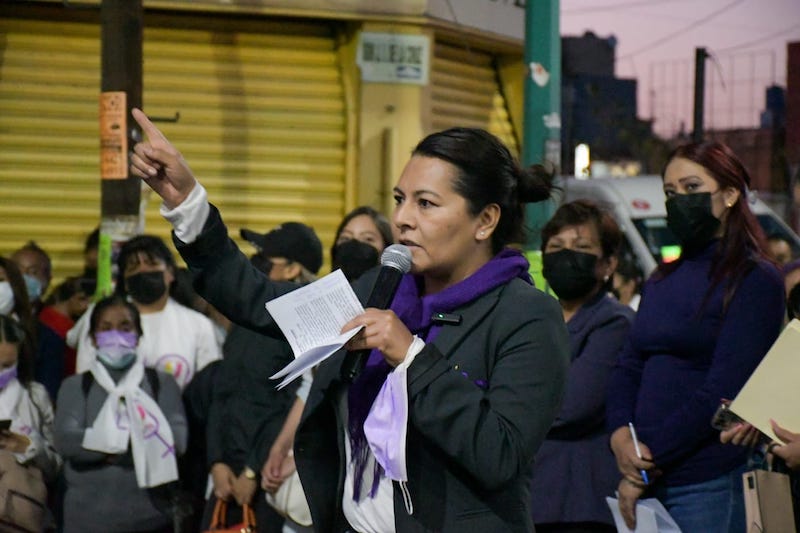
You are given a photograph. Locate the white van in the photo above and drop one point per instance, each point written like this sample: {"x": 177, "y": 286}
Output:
{"x": 638, "y": 206}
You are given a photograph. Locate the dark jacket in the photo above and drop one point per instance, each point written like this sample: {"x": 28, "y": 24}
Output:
{"x": 247, "y": 411}
{"x": 481, "y": 399}
{"x": 575, "y": 468}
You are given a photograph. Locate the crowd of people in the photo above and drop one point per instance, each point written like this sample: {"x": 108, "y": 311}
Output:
{"x": 482, "y": 404}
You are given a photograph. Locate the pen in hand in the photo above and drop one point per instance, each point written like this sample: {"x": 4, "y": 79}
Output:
{"x": 638, "y": 452}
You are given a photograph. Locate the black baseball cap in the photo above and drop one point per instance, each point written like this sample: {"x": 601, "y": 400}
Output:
{"x": 293, "y": 240}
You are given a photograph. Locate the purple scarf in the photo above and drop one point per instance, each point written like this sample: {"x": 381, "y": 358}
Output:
{"x": 416, "y": 313}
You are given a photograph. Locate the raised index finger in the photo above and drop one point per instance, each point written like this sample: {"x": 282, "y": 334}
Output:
{"x": 148, "y": 127}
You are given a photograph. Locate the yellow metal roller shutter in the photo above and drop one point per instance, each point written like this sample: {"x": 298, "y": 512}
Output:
{"x": 465, "y": 92}
{"x": 49, "y": 172}
{"x": 262, "y": 119}
{"x": 262, "y": 124}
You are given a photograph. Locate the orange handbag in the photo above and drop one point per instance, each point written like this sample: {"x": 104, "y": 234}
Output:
{"x": 247, "y": 525}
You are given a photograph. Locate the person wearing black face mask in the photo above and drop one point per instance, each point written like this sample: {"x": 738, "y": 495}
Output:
{"x": 354, "y": 258}
{"x": 360, "y": 229}
{"x": 579, "y": 246}
{"x": 704, "y": 323}
{"x": 176, "y": 340}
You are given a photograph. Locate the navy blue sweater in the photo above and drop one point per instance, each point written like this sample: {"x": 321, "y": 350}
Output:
{"x": 683, "y": 356}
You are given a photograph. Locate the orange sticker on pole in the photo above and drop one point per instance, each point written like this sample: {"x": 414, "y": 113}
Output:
{"x": 113, "y": 135}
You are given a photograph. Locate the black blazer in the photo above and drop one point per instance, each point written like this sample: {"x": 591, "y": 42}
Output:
{"x": 481, "y": 399}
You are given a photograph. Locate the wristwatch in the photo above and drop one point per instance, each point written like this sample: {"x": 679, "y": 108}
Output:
{"x": 249, "y": 473}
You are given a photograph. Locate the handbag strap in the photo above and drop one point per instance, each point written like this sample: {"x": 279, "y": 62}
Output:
{"x": 218, "y": 519}
{"x": 248, "y": 517}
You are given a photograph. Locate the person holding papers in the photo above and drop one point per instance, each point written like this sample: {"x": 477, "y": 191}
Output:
{"x": 466, "y": 369}
{"x": 704, "y": 323}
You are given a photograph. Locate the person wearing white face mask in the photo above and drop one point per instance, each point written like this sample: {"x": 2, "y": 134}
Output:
{"x": 35, "y": 265}
{"x": 119, "y": 425}
{"x": 28, "y": 439}
{"x": 7, "y": 300}
{"x": 14, "y": 301}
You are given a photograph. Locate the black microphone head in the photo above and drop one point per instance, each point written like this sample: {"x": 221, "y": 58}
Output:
{"x": 397, "y": 256}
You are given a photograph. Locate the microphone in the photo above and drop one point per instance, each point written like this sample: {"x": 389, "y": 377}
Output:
{"x": 395, "y": 261}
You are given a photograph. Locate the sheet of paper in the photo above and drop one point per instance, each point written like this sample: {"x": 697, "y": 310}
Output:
{"x": 651, "y": 517}
{"x": 311, "y": 318}
{"x": 772, "y": 391}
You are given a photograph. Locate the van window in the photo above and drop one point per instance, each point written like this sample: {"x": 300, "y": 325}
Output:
{"x": 660, "y": 240}
{"x": 663, "y": 244}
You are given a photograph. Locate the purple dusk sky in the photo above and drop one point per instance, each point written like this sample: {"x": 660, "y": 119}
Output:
{"x": 656, "y": 40}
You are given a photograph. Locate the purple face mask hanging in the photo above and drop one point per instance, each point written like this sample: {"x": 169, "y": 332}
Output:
{"x": 386, "y": 428}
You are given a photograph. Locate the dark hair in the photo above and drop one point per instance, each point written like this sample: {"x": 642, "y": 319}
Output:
{"x": 13, "y": 332}
{"x": 743, "y": 241}
{"x": 24, "y": 313}
{"x": 489, "y": 174}
{"x": 92, "y": 240}
{"x": 149, "y": 245}
{"x": 69, "y": 288}
{"x": 31, "y": 246}
{"x": 630, "y": 271}
{"x": 112, "y": 301}
{"x": 380, "y": 221}
{"x": 793, "y": 302}
{"x": 585, "y": 212}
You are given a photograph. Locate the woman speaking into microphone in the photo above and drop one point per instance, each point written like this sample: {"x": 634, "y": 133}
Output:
{"x": 466, "y": 368}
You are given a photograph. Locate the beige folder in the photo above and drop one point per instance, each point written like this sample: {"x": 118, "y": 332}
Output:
{"x": 773, "y": 391}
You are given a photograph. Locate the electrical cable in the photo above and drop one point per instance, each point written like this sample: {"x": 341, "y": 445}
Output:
{"x": 691, "y": 26}
{"x": 760, "y": 39}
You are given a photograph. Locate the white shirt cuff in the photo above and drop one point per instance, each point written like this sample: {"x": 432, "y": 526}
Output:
{"x": 189, "y": 217}
{"x": 416, "y": 346}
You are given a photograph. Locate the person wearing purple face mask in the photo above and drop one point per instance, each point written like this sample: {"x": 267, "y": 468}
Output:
{"x": 480, "y": 354}
{"x": 119, "y": 425}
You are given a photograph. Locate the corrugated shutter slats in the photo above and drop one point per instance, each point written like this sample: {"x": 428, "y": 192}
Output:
{"x": 262, "y": 124}
{"x": 465, "y": 92}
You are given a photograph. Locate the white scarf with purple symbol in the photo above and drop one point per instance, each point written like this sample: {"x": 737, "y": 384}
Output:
{"x": 130, "y": 414}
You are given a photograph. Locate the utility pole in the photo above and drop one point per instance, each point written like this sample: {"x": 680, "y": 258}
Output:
{"x": 121, "y": 90}
{"x": 541, "y": 141}
{"x": 700, "y": 55}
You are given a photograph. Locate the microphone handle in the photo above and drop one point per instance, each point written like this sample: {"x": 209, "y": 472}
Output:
{"x": 380, "y": 298}
{"x": 354, "y": 363}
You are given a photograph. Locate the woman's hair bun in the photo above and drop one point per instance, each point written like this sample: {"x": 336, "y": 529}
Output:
{"x": 535, "y": 183}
